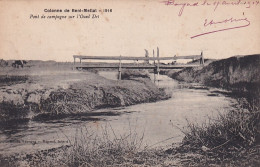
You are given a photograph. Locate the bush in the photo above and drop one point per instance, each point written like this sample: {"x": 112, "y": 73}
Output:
{"x": 89, "y": 149}
{"x": 232, "y": 138}
{"x": 129, "y": 74}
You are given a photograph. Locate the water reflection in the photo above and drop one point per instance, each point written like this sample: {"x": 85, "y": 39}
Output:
{"x": 9, "y": 128}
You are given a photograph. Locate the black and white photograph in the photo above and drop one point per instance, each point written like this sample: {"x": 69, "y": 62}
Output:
{"x": 129, "y": 83}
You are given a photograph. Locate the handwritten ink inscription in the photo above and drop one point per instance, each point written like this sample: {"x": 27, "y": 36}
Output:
{"x": 224, "y": 24}
{"x": 243, "y": 22}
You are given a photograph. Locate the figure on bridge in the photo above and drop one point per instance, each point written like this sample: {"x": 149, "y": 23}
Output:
{"x": 146, "y": 55}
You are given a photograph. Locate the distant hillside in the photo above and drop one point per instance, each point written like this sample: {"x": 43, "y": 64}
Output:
{"x": 239, "y": 73}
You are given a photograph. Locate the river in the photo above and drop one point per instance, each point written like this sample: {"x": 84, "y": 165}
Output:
{"x": 161, "y": 123}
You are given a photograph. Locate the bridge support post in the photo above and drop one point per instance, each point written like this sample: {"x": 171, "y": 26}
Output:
{"x": 154, "y": 70}
{"x": 119, "y": 69}
{"x": 74, "y": 63}
{"x": 158, "y": 64}
{"x": 202, "y": 58}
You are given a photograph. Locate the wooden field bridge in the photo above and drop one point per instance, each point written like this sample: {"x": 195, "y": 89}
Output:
{"x": 156, "y": 65}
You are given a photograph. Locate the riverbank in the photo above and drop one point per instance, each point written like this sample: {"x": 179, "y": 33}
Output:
{"x": 239, "y": 74}
{"x": 111, "y": 149}
{"x": 116, "y": 140}
{"x": 234, "y": 138}
{"x": 53, "y": 92}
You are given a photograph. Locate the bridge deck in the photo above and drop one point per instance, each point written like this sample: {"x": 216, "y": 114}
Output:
{"x": 137, "y": 66}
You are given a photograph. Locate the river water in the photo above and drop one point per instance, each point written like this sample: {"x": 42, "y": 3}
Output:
{"x": 161, "y": 123}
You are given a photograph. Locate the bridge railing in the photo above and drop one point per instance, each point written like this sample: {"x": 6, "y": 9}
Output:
{"x": 135, "y": 58}
{"x": 156, "y": 62}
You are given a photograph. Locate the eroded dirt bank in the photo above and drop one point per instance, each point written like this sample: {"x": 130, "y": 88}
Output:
{"x": 38, "y": 94}
{"x": 240, "y": 74}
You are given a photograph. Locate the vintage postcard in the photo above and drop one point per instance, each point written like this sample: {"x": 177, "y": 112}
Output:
{"x": 129, "y": 83}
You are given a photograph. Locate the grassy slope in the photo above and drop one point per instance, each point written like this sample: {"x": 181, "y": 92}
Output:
{"x": 239, "y": 74}
{"x": 85, "y": 96}
{"x": 54, "y": 90}
{"x": 234, "y": 138}
{"x": 226, "y": 73}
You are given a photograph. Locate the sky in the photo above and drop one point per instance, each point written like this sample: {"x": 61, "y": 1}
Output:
{"x": 131, "y": 27}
